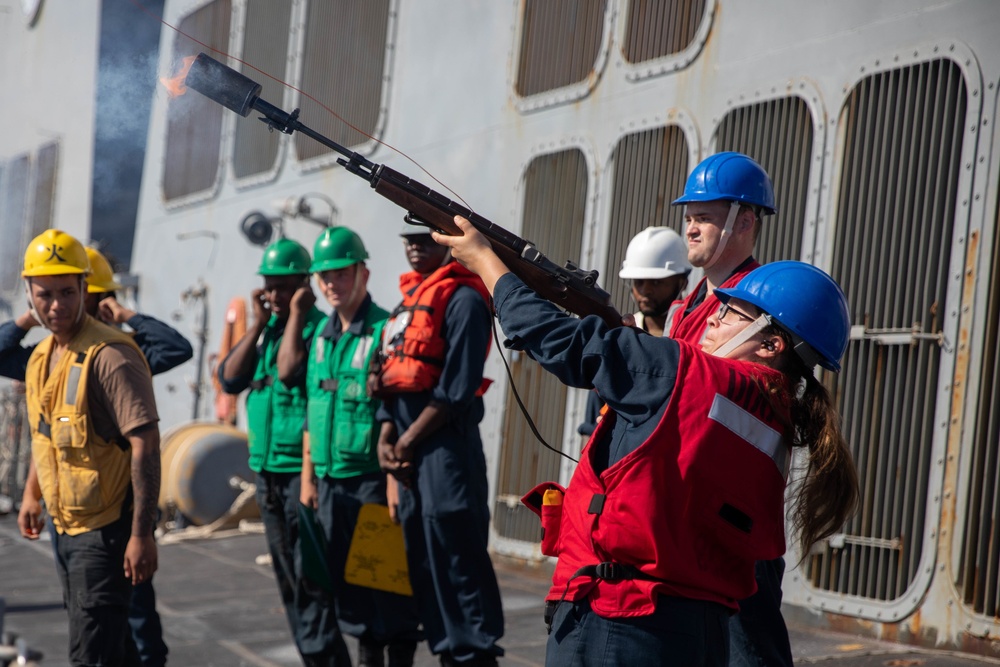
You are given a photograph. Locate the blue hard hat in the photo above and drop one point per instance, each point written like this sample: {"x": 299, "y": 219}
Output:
{"x": 729, "y": 176}
{"x": 805, "y": 302}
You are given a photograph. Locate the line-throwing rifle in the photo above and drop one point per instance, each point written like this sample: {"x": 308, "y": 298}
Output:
{"x": 569, "y": 287}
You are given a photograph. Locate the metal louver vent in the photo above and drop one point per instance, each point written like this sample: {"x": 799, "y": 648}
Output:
{"x": 343, "y": 67}
{"x": 650, "y": 168}
{"x": 895, "y": 209}
{"x": 555, "y": 202}
{"x": 560, "y": 41}
{"x": 194, "y": 122}
{"x": 978, "y": 572}
{"x": 265, "y": 45}
{"x": 43, "y": 186}
{"x": 655, "y": 29}
{"x": 779, "y": 135}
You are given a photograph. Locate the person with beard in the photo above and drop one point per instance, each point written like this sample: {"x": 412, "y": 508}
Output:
{"x": 431, "y": 382}
{"x": 656, "y": 263}
{"x": 276, "y": 410}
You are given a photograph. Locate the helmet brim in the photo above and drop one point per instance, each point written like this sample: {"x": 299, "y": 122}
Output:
{"x": 52, "y": 271}
{"x": 333, "y": 265}
{"x": 649, "y": 274}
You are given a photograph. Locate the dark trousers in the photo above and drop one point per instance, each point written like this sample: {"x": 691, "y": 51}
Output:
{"x": 363, "y": 612}
{"x": 680, "y": 633}
{"x": 309, "y": 609}
{"x": 758, "y": 636}
{"x": 97, "y": 596}
{"x": 143, "y": 619}
{"x": 451, "y": 572}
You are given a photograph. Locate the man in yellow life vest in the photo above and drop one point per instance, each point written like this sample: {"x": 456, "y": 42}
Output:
{"x": 164, "y": 348}
{"x": 95, "y": 453}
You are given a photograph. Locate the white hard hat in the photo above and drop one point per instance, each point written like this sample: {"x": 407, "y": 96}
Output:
{"x": 653, "y": 253}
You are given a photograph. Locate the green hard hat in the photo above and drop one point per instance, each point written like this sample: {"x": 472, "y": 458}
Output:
{"x": 337, "y": 248}
{"x": 284, "y": 257}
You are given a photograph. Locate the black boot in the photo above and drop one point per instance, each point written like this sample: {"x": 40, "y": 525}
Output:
{"x": 370, "y": 653}
{"x": 401, "y": 653}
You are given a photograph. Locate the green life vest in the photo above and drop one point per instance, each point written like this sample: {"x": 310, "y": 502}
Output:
{"x": 275, "y": 412}
{"x": 343, "y": 433}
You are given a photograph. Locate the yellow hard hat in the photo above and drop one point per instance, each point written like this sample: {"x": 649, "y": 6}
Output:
{"x": 101, "y": 278}
{"x": 54, "y": 253}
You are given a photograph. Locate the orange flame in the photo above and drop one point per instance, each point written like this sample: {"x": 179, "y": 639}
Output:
{"x": 175, "y": 85}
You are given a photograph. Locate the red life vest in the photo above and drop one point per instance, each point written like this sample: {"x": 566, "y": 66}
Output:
{"x": 413, "y": 347}
{"x": 691, "y": 509}
{"x": 691, "y": 326}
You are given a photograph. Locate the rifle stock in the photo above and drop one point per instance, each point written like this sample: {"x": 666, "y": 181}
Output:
{"x": 568, "y": 287}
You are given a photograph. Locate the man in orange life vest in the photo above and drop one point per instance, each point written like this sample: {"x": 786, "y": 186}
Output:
{"x": 431, "y": 380}
{"x": 725, "y": 197}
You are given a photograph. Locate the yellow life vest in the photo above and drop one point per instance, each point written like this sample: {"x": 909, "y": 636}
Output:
{"x": 84, "y": 478}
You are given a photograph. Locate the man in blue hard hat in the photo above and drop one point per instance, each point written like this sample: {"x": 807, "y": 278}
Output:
{"x": 725, "y": 197}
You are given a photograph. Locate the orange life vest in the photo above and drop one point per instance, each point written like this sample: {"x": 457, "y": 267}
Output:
{"x": 413, "y": 347}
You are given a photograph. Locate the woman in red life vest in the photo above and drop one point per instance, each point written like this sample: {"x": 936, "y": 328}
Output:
{"x": 681, "y": 488}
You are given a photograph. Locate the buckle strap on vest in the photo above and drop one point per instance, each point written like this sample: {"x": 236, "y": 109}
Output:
{"x": 330, "y": 384}
{"x": 266, "y": 381}
{"x": 44, "y": 428}
{"x": 609, "y": 571}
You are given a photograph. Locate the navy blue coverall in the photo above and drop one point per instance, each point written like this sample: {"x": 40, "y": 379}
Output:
{"x": 445, "y": 512}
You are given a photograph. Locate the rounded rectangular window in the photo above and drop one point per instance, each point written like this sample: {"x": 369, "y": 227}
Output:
{"x": 555, "y": 203}
{"x": 343, "y": 69}
{"x": 560, "y": 43}
{"x": 265, "y": 45}
{"x": 656, "y": 29}
{"x": 896, "y": 202}
{"x": 194, "y": 122}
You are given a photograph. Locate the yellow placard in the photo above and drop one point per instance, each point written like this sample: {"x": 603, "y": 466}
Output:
{"x": 377, "y": 557}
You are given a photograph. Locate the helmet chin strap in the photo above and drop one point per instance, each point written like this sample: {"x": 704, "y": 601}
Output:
{"x": 727, "y": 231}
{"x": 752, "y": 330}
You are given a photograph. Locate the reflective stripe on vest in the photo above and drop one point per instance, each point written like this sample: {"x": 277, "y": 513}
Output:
{"x": 751, "y": 429}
